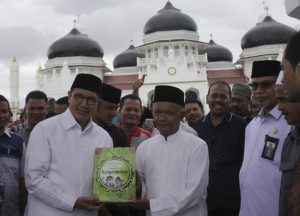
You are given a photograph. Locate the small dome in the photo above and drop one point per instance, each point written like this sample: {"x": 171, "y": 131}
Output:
{"x": 267, "y": 32}
{"x": 75, "y": 44}
{"x": 168, "y": 19}
{"x": 216, "y": 52}
{"x": 127, "y": 58}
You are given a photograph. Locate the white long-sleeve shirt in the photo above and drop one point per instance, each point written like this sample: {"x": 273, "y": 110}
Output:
{"x": 59, "y": 165}
{"x": 174, "y": 174}
{"x": 260, "y": 177}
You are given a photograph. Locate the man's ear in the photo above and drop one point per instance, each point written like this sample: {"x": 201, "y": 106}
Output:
{"x": 181, "y": 114}
{"x": 69, "y": 96}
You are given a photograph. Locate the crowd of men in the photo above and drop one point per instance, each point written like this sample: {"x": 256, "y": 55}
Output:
{"x": 241, "y": 158}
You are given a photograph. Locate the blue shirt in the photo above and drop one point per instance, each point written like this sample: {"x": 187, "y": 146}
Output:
{"x": 260, "y": 176}
{"x": 12, "y": 154}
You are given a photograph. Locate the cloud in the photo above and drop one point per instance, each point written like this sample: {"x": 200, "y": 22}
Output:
{"x": 82, "y": 7}
{"x": 26, "y": 43}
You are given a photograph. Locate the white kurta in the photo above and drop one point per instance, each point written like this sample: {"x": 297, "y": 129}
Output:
{"x": 174, "y": 174}
{"x": 59, "y": 165}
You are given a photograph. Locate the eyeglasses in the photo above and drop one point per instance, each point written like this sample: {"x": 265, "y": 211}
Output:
{"x": 89, "y": 100}
{"x": 263, "y": 85}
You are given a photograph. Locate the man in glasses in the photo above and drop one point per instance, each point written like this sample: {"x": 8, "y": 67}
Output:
{"x": 59, "y": 158}
{"x": 260, "y": 176}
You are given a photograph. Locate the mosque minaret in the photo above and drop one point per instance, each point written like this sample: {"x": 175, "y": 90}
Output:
{"x": 14, "y": 72}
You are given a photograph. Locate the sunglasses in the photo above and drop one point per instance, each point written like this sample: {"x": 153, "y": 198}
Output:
{"x": 263, "y": 85}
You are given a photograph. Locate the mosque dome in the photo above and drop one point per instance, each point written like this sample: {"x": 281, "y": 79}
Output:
{"x": 216, "y": 52}
{"x": 75, "y": 44}
{"x": 168, "y": 19}
{"x": 267, "y": 32}
{"x": 127, "y": 58}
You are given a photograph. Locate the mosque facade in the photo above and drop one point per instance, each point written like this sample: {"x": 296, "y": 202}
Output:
{"x": 171, "y": 54}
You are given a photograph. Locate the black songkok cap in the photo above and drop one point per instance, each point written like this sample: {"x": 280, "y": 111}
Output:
{"x": 87, "y": 82}
{"x": 110, "y": 93}
{"x": 164, "y": 93}
{"x": 265, "y": 68}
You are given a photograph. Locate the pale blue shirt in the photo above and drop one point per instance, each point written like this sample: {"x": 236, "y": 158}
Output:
{"x": 59, "y": 165}
{"x": 260, "y": 177}
{"x": 174, "y": 174}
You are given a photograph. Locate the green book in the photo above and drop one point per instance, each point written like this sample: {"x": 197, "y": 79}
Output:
{"x": 114, "y": 174}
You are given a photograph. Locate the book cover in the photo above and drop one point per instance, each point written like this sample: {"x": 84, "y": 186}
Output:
{"x": 114, "y": 174}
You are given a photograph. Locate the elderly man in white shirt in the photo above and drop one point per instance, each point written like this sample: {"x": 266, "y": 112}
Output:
{"x": 59, "y": 158}
{"x": 173, "y": 165}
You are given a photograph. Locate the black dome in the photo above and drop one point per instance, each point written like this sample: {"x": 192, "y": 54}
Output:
{"x": 267, "y": 32}
{"x": 127, "y": 58}
{"x": 169, "y": 18}
{"x": 75, "y": 44}
{"x": 216, "y": 52}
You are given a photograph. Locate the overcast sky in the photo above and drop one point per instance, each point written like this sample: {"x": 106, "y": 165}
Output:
{"x": 28, "y": 27}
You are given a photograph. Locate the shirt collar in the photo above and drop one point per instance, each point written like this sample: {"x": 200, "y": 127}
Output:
{"x": 275, "y": 113}
{"x": 227, "y": 118}
{"x": 295, "y": 133}
{"x": 173, "y": 137}
{"x": 6, "y": 132}
{"x": 69, "y": 121}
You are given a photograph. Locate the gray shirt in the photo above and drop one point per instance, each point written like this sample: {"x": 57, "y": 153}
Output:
{"x": 289, "y": 161}
{"x": 23, "y": 131}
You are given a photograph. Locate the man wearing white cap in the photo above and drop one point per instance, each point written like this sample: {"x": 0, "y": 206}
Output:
{"x": 59, "y": 158}
{"x": 173, "y": 165}
{"x": 265, "y": 134}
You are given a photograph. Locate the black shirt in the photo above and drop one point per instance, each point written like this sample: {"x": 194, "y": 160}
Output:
{"x": 117, "y": 134}
{"x": 226, "y": 148}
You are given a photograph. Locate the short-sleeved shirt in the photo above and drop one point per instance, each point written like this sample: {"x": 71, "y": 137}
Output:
{"x": 12, "y": 156}
{"x": 289, "y": 158}
{"x": 225, "y": 146}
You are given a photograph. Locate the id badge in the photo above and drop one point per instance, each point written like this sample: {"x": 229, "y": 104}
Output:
{"x": 270, "y": 147}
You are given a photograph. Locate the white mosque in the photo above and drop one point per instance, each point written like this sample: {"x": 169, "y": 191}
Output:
{"x": 171, "y": 54}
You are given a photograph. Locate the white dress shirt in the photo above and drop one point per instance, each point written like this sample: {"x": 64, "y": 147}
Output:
{"x": 59, "y": 165}
{"x": 260, "y": 177}
{"x": 174, "y": 174}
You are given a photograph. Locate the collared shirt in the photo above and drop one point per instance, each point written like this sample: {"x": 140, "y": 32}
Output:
{"x": 289, "y": 158}
{"x": 138, "y": 136}
{"x": 12, "y": 156}
{"x": 59, "y": 165}
{"x": 225, "y": 146}
{"x": 174, "y": 174}
{"x": 184, "y": 126}
{"x": 260, "y": 175}
{"x": 23, "y": 131}
{"x": 117, "y": 134}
